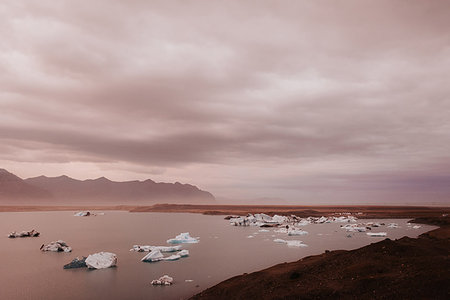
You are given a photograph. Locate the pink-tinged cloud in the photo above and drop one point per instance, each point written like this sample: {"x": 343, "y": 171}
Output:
{"x": 310, "y": 102}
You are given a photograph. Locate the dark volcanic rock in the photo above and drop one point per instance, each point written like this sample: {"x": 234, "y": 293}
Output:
{"x": 76, "y": 263}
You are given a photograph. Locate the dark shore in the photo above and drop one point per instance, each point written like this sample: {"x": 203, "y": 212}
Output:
{"x": 406, "y": 268}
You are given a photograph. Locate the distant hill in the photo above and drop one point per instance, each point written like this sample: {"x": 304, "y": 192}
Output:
{"x": 15, "y": 188}
{"x": 64, "y": 189}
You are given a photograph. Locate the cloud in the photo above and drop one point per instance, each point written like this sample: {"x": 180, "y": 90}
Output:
{"x": 312, "y": 90}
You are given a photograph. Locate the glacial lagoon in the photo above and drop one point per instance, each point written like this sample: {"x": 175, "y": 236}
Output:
{"x": 223, "y": 251}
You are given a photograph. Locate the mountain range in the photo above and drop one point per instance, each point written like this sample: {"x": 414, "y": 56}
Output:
{"x": 66, "y": 190}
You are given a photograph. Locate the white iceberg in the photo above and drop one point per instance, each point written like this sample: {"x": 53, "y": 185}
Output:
{"x": 146, "y": 248}
{"x": 153, "y": 256}
{"x": 297, "y": 232}
{"x": 57, "y": 246}
{"x": 291, "y": 243}
{"x": 296, "y": 243}
{"x": 183, "y": 253}
{"x": 82, "y": 214}
{"x": 279, "y": 241}
{"x": 183, "y": 238}
{"x": 164, "y": 280}
{"x": 376, "y": 234}
{"x": 101, "y": 260}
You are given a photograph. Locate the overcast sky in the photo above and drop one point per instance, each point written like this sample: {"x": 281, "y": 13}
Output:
{"x": 301, "y": 101}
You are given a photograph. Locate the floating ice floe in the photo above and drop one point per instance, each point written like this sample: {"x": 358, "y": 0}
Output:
{"x": 291, "y": 243}
{"x": 82, "y": 214}
{"x": 164, "y": 280}
{"x": 296, "y": 232}
{"x": 57, "y": 246}
{"x": 416, "y": 226}
{"x": 140, "y": 248}
{"x": 31, "y": 233}
{"x": 392, "y": 225}
{"x": 76, "y": 263}
{"x": 354, "y": 228}
{"x": 183, "y": 253}
{"x": 264, "y": 230}
{"x": 376, "y": 234}
{"x": 183, "y": 238}
{"x": 264, "y": 220}
{"x": 101, "y": 260}
{"x": 250, "y": 236}
{"x": 153, "y": 256}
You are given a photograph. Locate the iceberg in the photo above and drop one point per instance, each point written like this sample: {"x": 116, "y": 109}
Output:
{"x": 183, "y": 253}
{"x": 392, "y": 225}
{"x": 183, "y": 238}
{"x": 139, "y": 248}
{"x": 58, "y": 246}
{"x": 101, "y": 260}
{"x": 376, "y": 234}
{"x": 416, "y": 226}
{"x": 279, "y": 241}
{"x": 291, "y": 243}
{"x": 164, "y": 280}
{"x": 31, "y": 233}
{"x": 82, "y": 214}
{"x": 153, "y": 256}
{"x": 297, "y": 232}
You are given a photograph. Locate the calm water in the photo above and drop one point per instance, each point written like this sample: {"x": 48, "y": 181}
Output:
{"x": 224, "y": 251}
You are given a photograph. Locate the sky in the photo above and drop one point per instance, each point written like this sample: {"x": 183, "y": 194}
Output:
{"x": 296, "y": 102}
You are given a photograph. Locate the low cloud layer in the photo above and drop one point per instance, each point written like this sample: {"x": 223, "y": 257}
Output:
{"x": 310, "y": 102}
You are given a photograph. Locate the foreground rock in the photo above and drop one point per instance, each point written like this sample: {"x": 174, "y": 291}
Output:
{"x": 57, "y": 246}
{"x": 164, "y": 280}
{"x": 31, "y": 233}
{"x": 76, "y": 263}
{"x": 402, "y": 269}
{"x": 101, "y": 260}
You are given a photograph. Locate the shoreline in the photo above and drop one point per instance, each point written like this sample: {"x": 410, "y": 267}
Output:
{"x": 360, "y": 211}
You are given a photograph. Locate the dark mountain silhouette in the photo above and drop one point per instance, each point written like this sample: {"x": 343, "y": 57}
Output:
{"x": 64, "y": 189}
{"x": 15, "y": 188}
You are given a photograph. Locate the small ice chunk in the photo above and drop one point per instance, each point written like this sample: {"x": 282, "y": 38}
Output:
{"x": 376, "y": 234}
{"x": 82, "y": 214}
{"x": 416, "y": 226}
{"x": 392, "y": 225}
{"x": 164, "y": 280}
{"x": 57, "y": 246}
{"x": 183, "y": 238}
{"x": 101, "y": 260}
{"x": 279, "y": 241}
{"x": 250, "y": 236}
{"x": 188, "y": 280}
{"x": 296, "y": 243}
{"x": 146, "y": 248}
{"x": 32, "y": 233}
{"x": 153, "y": 256}
{"x": 264, "y": 230}
{"x": 183, "y": 253}
{"x": 297, "y": 232}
